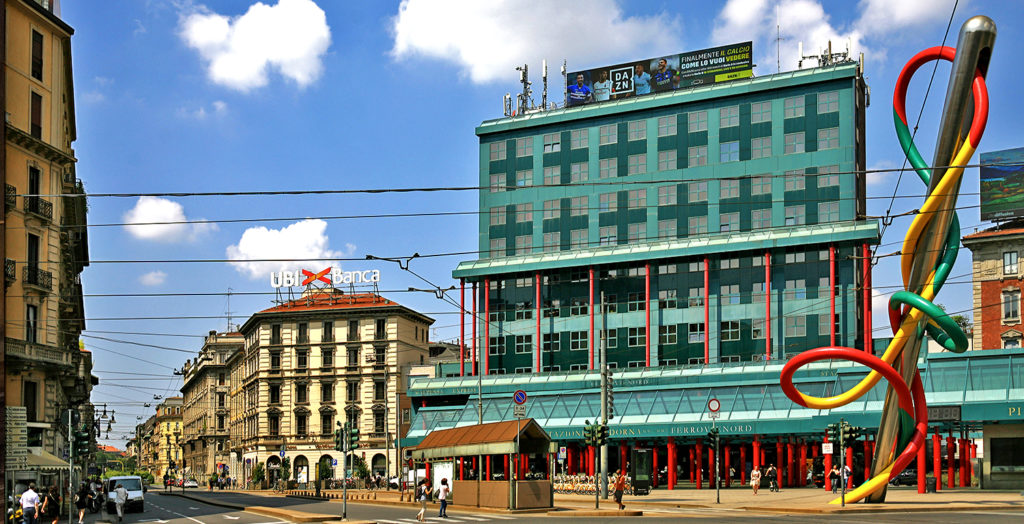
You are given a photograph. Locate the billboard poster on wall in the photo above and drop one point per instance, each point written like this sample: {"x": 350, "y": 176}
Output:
{"x": 660, "y": 74}
{"x": 1002, "y": 184}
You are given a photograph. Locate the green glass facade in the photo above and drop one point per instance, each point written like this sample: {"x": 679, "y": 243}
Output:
{"x": 724, "y": 174}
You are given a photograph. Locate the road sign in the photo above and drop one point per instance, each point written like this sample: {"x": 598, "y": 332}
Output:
{"x": 826, "y": 448}
{"x": 714, "y": 405}
{"x": 714, "y": 415}
{"x": 519, "y": 411}
{"x": 281, "y": 453}
{"x": 334, "y": 462}
{"x": 561, "y": 453}
{"x": 519, "y": 397}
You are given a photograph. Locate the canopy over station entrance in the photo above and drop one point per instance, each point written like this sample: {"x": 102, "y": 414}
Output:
{"x": 498, "y": 465}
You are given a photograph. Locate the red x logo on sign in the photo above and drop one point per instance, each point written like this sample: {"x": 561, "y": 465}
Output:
{"x": 310, "y": 277}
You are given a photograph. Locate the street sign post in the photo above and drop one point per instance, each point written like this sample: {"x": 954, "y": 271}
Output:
{"x": 281, "y": 453}
{"x": 519, "y": 411}
{"x": 826, "y": 448}
{"x": 519, "y": 397}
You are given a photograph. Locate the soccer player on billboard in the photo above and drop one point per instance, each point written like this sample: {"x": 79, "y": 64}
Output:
{"x": 603, "y": 88}
{"x": 663, "y": 76}
{"x": 641, "y": 81}
{"x": 579, "y": 93}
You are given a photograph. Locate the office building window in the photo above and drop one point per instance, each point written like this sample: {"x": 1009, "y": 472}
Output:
{"x": 666, "y": 160}
{"x": 794, "y": 142}
{"x": 636, "y": 199}
{"x": 730, "y": 331}
{"x": 1011, "y": 305}
{"x": 798, "y": 257}
{"x": 635, "y": 302}
{"x": 828, "y": 138}
{"x": 697, "y": 156}
{"x": 667, "y": 125}
{"x": 667, "y": 195}
{"x": 637, "y": 232}
{"x": 823, "y": 326}
{"x": 552, "y": 209}
{"x": 524, "y": 244}
{"x": 667, "y": 229}
{"x": 552, "y": 143}
{"x": 730, "y": 294}
{"x": 498, "y": 150}
{"x": 668, "y": 335}
{"x": 761, "y": 185}
{"x": 1010, "y": 266}
{"x": 695, "y": 333}
{"x": 523, "y": 344}
{"x": 729, "y": 188}
{"x": 498, "y": 248}
{"x": 757, "y": 328}
{"x": 578, "y": 172}
{"x": 607, "y": 202}
{"x": 552, "y": 176}
{"x": 611, "y": 339}
{"x": 828, "y": 176}
{"x": 697, "y": 121}
{"x": 760, "y": 112}
{"x": 552, "y": 241}
{"x": 578, "y": 340}
{"x": 524, "y": 146}
{"x": 636, "y": 337}
{"x": 608, "y": 134}
{"x": 608, "y": 236}
{"x": 637, "y": 129}
{"x": 729, "y": 116}
{"x": 793, "y": 107}
{"x": 549, "y": 342}
{"x": 729, "y": 222}
{"x": 760, "y": 147}
{"x": 697, "y": 192}
{"x": 496, "y": 346}
{"x": 795, "y": 180}
{"x": 828, "y": 102}
{"x": 796, "y": 289}
{"x": 667, "y": 299}
{"x": 524, "y": 178}
{"x": 828, "y": 212}
{"x": 578, "y": 206}
{"x": 760, "y": 219}
{"x": 795, "y": 215}
{"x": 729, "y": 152}
{"x": 608, "y": 168}
{"x": 579, "y": 238}
{"x": 796, "y": 326}
{"x": 697, "y": 226}
{"x": 578, "y": 139}
{"x": 637, "y": 164}
{"x": 524, "y": 212}
{"x": 497, "y": 182}
{"x": 497, "y": 215}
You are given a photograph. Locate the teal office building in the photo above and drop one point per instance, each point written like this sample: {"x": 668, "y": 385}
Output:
{"x": 702, "y": 237}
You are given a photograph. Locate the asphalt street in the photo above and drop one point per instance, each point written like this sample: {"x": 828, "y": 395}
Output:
{"x": 163, "y": 510}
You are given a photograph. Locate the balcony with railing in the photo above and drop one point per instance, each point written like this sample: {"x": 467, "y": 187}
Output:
{"x": 10, "y": 197}
{"x": 38, "y": 278}
{"x": 39, "y": 207}
{"x": 38, "y": 352}
{"x": 10, "y": 271}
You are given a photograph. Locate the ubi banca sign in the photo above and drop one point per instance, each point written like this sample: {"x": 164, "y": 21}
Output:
{"x": 332, "y": 276}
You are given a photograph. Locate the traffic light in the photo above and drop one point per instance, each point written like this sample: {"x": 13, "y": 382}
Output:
{"x": 81, "y": 441}
{"x": 602, "y": 435}
{"x": 833, "y": 429}
{"x": 713, "y": 434}
{"x": 353, "y": 437}
{"x": 611, "y": 395}
{"x": 588, "y": 433}
{"x": 853, "y": 432}
{"x": 339, "y": 439}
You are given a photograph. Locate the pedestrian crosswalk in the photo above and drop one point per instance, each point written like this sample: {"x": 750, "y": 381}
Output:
{"x": 457, "y": 518}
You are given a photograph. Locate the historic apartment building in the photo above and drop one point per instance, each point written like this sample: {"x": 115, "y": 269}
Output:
{"x": 206, "y": 406}
{"x": 997, "y": 285}
{"x": 165, "y": 438}
{"x": 327, "y": 357}
{"x": 44, "y": 239}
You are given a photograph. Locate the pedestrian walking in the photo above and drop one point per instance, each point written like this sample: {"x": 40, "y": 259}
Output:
{"x": 51, "y": 505}
{"x": 120, "y": 499}
{"x": 620, "y": 487}
{"x": 755, "y": 479}
{"x": 30, "y": 504}
{"x": 422, "y": 492}
{"x": 846, "y": 475}
{"x": 81, "y": 501}
{"x": 442, "y": 495}
{"x": 833, "y": 478}
{"x": 773, "y": 475}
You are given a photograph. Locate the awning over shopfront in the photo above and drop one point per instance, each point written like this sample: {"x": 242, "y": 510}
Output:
{"x": 44, "y": 461}
{"x": 497, "y": 438}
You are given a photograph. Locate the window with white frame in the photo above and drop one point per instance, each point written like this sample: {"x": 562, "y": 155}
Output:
{"x": 760, "y": 218}
{"x": 1010, "y": 266}
{"x": 667, "y": 229}
{"x": 578, "y": 238}
{"x": 636, "y": 164}
{"x": 697, "y": 156}
{"x": 578, "y": 206}
{"x": 608, "y": 134}
{"x": 637, "y": 129}
{"x": 795, "y": 180}
{"x": 608, "y": 236}
{"x": 695, "y": 297}
{"x": 496, "y": 346}
{"x": 524, "y": 178}
{"x": 697, "y": 121}
{"x": 761, "y": 112}
{"x": 729, "y": 263}
{"x": 497, "y": 216}
{"x": 667, "y": 160}
{"x": 497, "y": 247}
{"x": 578, "y": 306}
{"x": 578, "y": 340}
{"x": 828, "y": 138}
{"x": 636, "y": 199}
{"x": 828, "y": 102}
{"x": 497, "y": 182}
{"x": 552, "y": 241}
{"x": 828, "y": 212}
{"x": 799, "y": 257}
{"x": 729, "y": 188}
{"x": 761, "y": 185}
{"x": 524, "y": 212}
{"x": 524, "y": 344}
{"x": 794, "y": 142}
{"x": 729, "y": 116}
{"x": 607, "y": 202}
{"x": 730, "y": 330}
{"x": 635, "y": 302}
{"x": 608, "y": 168}
{"x": 611, "y": 338}
{"x": 524, "y": 370}
{"x": 729, "y": 222}
{"x": 795, "y": 215}
{"x": 578, "y": 139}
{"x": 667, "y": 125}
{"x": 697, "y": 225}
{"x": 667, "y": 299}
{"x": 550, "y": 342}
{"x": 524, "y": 147}
{"x": 760, "y": 147}
{"x": 828, "y": 176}
{"x": 578, "y": 172}
{"x": 757, "y": 328}
{"x": 524, "y": 244}
{"x": 796, "y": 326}
{"x": 697, "y": 192}
{"x": 823, "y": 325}
{"x": 497, "y": 150}
{"x": 553, "y": 142}
{"x": 637, "y": 232}
{"x": 636, "y": 337}
{"x": 667, "y": 195}
{"x": 1011, "y": 304}
{"x": 796, "y": 289}
{"x": 729, "y": 293}
{"x": 695, "y": 332}
{"x": 668, "y": 335}
{"x": 729, "y": 152}
{"x": 793, "y": 107}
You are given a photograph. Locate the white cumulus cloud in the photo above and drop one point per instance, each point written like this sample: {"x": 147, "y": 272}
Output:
{"x": 162, "y": 220}
{"x": 879, "y": 17}
{"x": 289, "y": 37}
{"x": 153, "y": 278}
{"x": 305, "y": 240}
{"x": 217, "y": 108}
{"x": 487, "y": 39}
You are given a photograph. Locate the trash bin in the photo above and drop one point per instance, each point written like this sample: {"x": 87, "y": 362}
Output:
{"x": 929, "y": 485}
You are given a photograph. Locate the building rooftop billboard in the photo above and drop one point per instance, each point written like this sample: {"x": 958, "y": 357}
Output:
{"x": 660, "y": 74}
{"x": 1002, "y": 184}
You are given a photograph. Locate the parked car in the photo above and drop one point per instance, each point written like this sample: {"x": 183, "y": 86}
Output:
{"x": 907, "y": 477}
{"x": 191, "y": 483}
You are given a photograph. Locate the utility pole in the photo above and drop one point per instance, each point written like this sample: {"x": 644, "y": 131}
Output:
{"x": 344, "y": 471}
{"x": 718, "y": 457}
{"x": 71, "y": 465}
{"x": 605, "y": 372}
{"x": 842, "y": 461}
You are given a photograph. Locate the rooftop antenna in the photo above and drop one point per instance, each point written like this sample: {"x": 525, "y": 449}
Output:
{"x": 778, "y": 42}
{"x": 544, "y": 78}
{"x": 523, "y": 99}
{"x": 565, "y": 84}
{"x": 506, "y": 103}
{"x": 229, "y": 312}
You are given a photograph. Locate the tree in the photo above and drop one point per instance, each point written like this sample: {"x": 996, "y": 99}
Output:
{"x": 325, "y": 468}
{"x": 358, "y": 467}
{"x": 286, "y": 469}
{"x": 257, "y": 473}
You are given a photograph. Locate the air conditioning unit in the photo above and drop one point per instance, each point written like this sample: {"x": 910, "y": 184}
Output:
{"x": 371, "y": 358}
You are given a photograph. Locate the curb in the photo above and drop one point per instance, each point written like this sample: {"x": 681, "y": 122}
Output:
{"x": 290, "y": 515}
{"x": 883, "y": 509}
{"x": 596, "y": 513}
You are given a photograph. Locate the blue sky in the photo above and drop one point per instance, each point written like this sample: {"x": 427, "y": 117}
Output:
{"x": 184, "y": 96}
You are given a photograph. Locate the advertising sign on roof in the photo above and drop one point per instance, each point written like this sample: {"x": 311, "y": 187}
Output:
{"x": 660, "y": 74}
{"x": 332, "y": 276}
{"x": 1002, "y": 184}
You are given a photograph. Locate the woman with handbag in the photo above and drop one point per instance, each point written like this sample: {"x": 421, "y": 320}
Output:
{"x": 422, "y": 494}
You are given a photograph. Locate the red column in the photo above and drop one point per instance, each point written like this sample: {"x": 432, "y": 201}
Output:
{"x": 974, "y": 455}
{"x": 780, "y": 460}
{"x": 462, "y": 467}
{"x": 867, "y": 299}
{"x": 700, "y": 464}
{"x": 832, "y": 294}
{"x": 654, "y": 473}
{"x": 743, "y": 464}
{"x": 707, "y": 312}
{"x": 767, "y": 305}
{"x": 526, "y": 465}
{"x": 593, "y": 336}
{"x": 790, "y": 463}
{"x": 827, "y": 463}
{"x": 624, "y": 454}
{"x": 802, "y": 470}
{"x": 756, "y": 459}
{"x": 692, "y": 477}
{"x": 647, "y": 321}
{"x": 671, "y": 463}
{"x": 867, "y": 459}
{"x": 814, "y": 449}
{"x": 507, "y": 471}
{"x": 537, "y": 285}
{"x": 476, "y": 321}
{"x": 462, "y": 327}
{"x": 964, "y": 481}
{"x": 711, "y": 465}
{"x": 426, "y": 470}
{"x": 488, "y": 477}
{"x": 922, "y": 464}
{"x": 937, "y": 459}
{"x": 849, "y": 464}
{"x": 590, "y": 460}
{"x": 485, "y": 357}
{"x": 950, "y": 462}
{"x": 725, "y": 466}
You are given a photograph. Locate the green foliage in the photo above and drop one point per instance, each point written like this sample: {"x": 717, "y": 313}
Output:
{"x": 147, "y": 477}
{"x": 325, "y": 469}
{"x": 213, "y": 478}
{"x": 358, "y": 467}
{"x": 257, "y": 473}
{"x": 286, "y": 469}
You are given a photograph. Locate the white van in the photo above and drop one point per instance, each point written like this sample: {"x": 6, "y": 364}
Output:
{"x": 136, "y": 492}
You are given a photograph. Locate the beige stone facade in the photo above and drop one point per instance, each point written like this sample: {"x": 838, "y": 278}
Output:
{"x": 206, "y": 407}
{"x": 164, "y": 439}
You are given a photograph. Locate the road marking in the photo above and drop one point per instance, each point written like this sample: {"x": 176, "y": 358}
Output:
{"x": 470, "y": 518}
{"x": 192, "y": 507}
{"x": 499, "y": 517}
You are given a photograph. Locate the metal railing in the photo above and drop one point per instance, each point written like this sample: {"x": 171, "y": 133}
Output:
{"x": 39, "y": 207}
{"x": 10, "y": 197}
{"x": 10, "y": 271}
{"x": 39, "y": 278}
